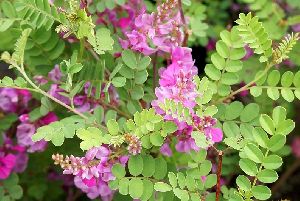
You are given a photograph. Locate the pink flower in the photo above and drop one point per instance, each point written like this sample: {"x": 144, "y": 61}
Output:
{"x": 55, "y": 74}
{"x": 166, "y": 150}
{"x": 24, "y": 133}
{"x": 49, "y": 118}
{"x": 176, "y": 81}
{"x": 7, "y": 164}
{"x": 185, "y": 141}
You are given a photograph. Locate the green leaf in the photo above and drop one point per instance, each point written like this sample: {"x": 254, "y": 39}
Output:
{"x": 261, "y": 192}
{"x": 129, "y": 59}
{"x": 256, "y": 91}
{"x": 267, "y": 124}
{"x": 123, "y": 186}
{"x": 296, "y": 80}
{"x": 92, "y": 137}
{"x": 261, "y": 137}
{"x": 222, "y": 49}
{"x": 147, "y": 190}
{"x": 212, "y": 72}
{"x": 156, "y": 139}
{"x": 205, "y": 168}
{"x": 140, "y": 77}
{"x": 276, "y": 142}
{"x": 181, "y": 194}
{"x": 288, "y": 95}
{"x": 16, "y": 192}
{"x": 169, "y": 127}
{"x": 8, "y": 9}
{"x": 272, "y": 162}
{"x": 229, "y": 78}
{"x": 160, "y": 168}
{"x": 118, "y": 81}
{"x": 231, "y": 129}
{"x": 136, "y": 188}
{"x": 218, "y": 61}
{"x": 233, "y": 66}
{"x": 137, "y": 93}
{"x": 234, "y": 110}
{"x": 148, "y": 166}
{"x": 198, "y": 156}
{"x": 285, "y": 127}
{"x": 253, "y": 153}
{"x": 237, "y": 53}
{"x": 118, "y": 171}
{"x": 162, "y": 187}
{"x": 144, "y": 63}
{"x": 172, "y": 179}
{"x": 113, "y": 127}
{"x": 287, "y": 79}
{"x": 103, "y": 41}
{"x": 248, "y": 166}
{"x": 273, "y": 93}
{"x": 250, "y": 112}
{"x": 200, "y": 139}
{"x": 210, "y": 181}
{"x": 279, "y": 115}
{"x": 267, "y": 176}
{"x": 273, "y": 78}
{"x": 243, "y": 183}
{"x": 181, "y": 180}
{"x": 135, "y": 165}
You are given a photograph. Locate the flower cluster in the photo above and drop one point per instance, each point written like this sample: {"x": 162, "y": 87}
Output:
{"x": 93, "y": 171}
{"x": 14, "y": 158}
{"x": 162, "y": 28}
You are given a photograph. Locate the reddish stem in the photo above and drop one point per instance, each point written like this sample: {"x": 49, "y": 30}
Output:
{"x": 219, "y": 172}
{"x": 185, "y": 29}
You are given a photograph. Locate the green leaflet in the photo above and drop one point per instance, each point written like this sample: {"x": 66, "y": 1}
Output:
{"x": 56, "y": 132}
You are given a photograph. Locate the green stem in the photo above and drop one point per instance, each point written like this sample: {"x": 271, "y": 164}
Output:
{"x": 48, "y": 95}
{"x": 81, "y": 50}
{"x": 259, "y": 170}
{"x": 269, "y": 65}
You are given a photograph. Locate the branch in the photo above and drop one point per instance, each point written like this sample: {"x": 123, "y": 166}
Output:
{"x": 219, "y": 172}
{"x": 244, "y": 88}
{"x": 185, "y": 28}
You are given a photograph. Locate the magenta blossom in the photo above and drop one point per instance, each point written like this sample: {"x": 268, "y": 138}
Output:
{"x": 7, "y": 163}
{"x": 176, "y": 81}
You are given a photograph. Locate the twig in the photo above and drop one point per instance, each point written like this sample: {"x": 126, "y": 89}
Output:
{"x": 286, "y": 176}
{"x": 49, "y": 96}
{"x": 269, "y": 65}
{"x": 186, "y": 34}
{"x": 219, "y": 172}
{"x": 120, "y": 112}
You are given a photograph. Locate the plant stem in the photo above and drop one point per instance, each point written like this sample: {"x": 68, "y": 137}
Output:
{"x": 81, "y": 50}
{"x": 219, "y": 172}
{"x": 186, "y": 34}
{"x": 269, "y": 65}
{"x": 51, "y": 97}
{"x": 120, "y": 112}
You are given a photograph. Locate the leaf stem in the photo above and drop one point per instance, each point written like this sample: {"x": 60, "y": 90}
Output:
{"x": 186, "y": 34}
{"x": 48, "y": 95}
{"x": 269, "y": 65}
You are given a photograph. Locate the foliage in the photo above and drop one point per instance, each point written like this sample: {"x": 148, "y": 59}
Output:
{"x": 127, "y": 112}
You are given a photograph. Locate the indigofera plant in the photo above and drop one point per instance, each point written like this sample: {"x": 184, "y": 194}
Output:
{"x": 139, "y": 130}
